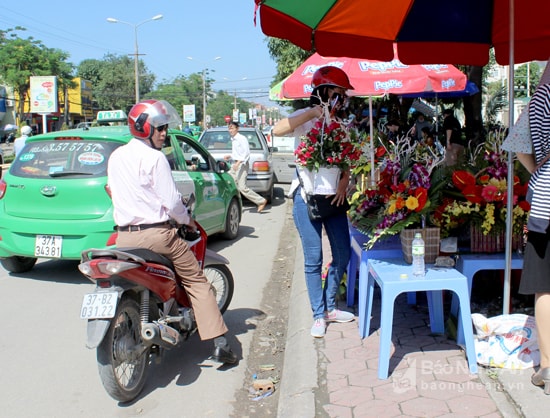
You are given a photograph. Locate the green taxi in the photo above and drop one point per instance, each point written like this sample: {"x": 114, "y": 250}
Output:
{"x": 54, "y": 202}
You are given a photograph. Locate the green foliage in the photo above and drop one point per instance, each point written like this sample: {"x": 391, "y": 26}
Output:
{"x": 520, "y": 79}
{"x": 22, "y": 58}
{"x": 113, "y": 80}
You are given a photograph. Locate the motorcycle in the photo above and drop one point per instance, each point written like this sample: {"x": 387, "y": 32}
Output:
{"x": 138, "y": 310}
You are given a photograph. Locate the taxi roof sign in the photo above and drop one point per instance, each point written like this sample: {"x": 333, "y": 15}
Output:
{"x": 111, "y": 116}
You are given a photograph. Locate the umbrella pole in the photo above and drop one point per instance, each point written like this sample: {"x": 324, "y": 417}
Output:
{"x": 436, "y": 117}
{"x": 510, "y": 178}
{"x": 372, "y": 169}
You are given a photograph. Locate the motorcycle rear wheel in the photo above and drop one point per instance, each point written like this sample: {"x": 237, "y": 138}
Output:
{"x": 122, "y": 363}
{"x": 222, "y": 283}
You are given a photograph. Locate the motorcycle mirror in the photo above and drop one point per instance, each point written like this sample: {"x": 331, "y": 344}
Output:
{"x": 190, "y": 202}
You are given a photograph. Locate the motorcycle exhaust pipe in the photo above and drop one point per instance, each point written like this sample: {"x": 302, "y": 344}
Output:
{"x": 158, "y": 334}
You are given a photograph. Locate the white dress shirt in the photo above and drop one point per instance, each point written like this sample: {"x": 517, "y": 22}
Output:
{"x": 142, "y": 186}
{"x": 240, "y": 150}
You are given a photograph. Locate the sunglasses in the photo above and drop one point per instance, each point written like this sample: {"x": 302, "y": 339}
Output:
{"x": 162, "y": 128}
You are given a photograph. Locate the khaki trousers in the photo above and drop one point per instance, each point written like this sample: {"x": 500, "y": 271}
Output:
{"x": 165, "y": 240}
{"x": 240, "y": 181}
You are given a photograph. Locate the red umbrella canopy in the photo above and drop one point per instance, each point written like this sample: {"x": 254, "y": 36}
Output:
{"x": 376, "y": 78}
{"x": 426, "y": 31}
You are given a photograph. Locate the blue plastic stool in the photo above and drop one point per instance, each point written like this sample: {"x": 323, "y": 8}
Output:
{"x": 394, "y": 277}
{"x": 389, "y": 248}
{"x": 470, "y": 264}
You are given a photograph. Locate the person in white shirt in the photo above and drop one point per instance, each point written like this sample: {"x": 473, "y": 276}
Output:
{"x": 145, "y": 198}
{"x": 240, "y": 154}
{"x": 19, "y": 142}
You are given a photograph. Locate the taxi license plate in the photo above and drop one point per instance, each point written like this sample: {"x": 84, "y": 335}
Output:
{"x": 48, "y": 246}
{"x": 99, "y": 305}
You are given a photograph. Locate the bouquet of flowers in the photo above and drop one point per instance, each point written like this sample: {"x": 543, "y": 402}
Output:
{"x": 407, "y": 191}
{"x": 480, "y": 194}
{"x": 329, "y": 144}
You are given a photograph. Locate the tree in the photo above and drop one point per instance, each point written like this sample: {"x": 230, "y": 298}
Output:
{"x": 520, "y": 79}
{"x": 287, "y": 56}
{"x": 113, "y": 80}
{"x": 24, "y": 58}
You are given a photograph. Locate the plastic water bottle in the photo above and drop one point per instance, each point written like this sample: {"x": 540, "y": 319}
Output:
{"x": 418, "y": 251}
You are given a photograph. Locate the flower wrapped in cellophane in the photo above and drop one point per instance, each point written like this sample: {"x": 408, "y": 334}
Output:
{"x": 330, "y": 143}
{"x": 406, "y": 191}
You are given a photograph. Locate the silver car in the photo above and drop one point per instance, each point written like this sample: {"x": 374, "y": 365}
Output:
{"x": 260, "y": 173}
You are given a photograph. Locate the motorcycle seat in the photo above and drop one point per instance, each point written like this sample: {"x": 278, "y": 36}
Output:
{"x": 149, "y": 256}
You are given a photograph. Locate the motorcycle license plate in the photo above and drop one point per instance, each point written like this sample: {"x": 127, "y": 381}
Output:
{"x": 48, "y": 246}
{"x": 99, "y": 305}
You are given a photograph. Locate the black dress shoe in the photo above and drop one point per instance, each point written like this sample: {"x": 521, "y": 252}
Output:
{"x": 224, "y": 355}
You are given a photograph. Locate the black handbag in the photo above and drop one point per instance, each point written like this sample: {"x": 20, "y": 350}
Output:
{"x": 319, "y": 206}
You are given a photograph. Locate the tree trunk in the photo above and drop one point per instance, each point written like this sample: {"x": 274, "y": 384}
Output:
{"x": 472, "y": 109}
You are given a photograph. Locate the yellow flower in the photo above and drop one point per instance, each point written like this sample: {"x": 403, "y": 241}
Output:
{"x": 412, "y": 203}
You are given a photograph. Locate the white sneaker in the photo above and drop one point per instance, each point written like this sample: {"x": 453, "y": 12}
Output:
{"x": 319, "y": 328}
{"x": 337, "y": 315}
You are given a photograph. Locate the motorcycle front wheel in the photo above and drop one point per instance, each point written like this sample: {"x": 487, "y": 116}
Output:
{"x": 121, "y": 358}
{"x": 222, "y": 283}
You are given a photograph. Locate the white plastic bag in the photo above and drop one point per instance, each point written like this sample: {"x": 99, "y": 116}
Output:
{"x": 506, "y": 341}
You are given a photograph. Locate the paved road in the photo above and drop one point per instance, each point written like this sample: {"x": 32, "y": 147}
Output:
{"x": 48, "y": 372}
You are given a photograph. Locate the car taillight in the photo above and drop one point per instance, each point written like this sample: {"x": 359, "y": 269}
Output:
{"x": 261, "y": 166}
{"x": 3, "y": 187}
{"x": 108, "y": 190}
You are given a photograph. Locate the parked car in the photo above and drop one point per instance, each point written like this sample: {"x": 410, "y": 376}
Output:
{"x": 54, "y": 203}
{"x": 268, "y": 134}
{"x": 284, "y": 160}
{"x": 260, "y": 173}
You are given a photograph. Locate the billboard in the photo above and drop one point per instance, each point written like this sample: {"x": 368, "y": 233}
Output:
{"x": 43, "y": 94}
{"x": 189, "y": 113}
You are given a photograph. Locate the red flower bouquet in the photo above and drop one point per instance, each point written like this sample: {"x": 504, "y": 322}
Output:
{"x": 329, "y": 144}
{"x": 480, "y": 197}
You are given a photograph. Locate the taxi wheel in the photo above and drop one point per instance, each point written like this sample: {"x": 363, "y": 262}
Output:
{"x": 232, "y": 220}
{"x": 17, "y": 264}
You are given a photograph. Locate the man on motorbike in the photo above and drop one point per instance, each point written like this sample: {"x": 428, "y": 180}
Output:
{"x": 145, "y": 198}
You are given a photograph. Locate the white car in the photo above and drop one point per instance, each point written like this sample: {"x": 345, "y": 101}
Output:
{"x": 260, "y": 173}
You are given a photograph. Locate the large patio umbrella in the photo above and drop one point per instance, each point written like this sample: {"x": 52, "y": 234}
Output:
{"x": 376, "y": 78}
{"x": 425, "y": 31}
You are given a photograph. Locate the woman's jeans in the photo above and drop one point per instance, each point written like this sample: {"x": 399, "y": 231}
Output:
{"x": 337, "y": 231}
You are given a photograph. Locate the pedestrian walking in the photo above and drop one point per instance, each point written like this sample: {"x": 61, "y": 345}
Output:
{"x": 240, "y": 157}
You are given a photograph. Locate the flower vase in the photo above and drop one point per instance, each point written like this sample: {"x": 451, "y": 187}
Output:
{"x": 324, "y": 181}
{"x": 432, "y": 242}
{"x": 491, "y": 243}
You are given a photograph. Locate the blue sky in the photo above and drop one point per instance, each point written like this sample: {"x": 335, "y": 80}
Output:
{"x": 202, "y": 29}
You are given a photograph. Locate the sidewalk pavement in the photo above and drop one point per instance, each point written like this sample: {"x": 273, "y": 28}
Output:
{"x": 336, "y": 376}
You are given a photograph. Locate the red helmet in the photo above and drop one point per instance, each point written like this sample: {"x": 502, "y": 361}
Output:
{"x": 147, "y": 115}
{"x": 331, "y": 76}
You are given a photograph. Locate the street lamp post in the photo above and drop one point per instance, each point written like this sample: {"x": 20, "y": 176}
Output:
{"x": 203, "y": 88}
{"x": 136, "y": 51}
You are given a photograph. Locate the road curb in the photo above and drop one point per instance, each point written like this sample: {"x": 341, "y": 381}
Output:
{"x": 300, "y": 375}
